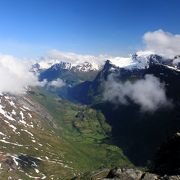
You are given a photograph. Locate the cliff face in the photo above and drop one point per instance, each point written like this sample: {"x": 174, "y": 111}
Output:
{"x": 167, "y": 159}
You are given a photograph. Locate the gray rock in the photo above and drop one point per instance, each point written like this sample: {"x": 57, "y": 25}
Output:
{"x": 149, "y": 176}
{"x": 125, "y": 174}
{"x": 135, "y": 174}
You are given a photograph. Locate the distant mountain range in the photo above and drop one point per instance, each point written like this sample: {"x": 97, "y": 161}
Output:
{"x": 140, "y": 60}
{"x": 54, "y": 68}
{"x": 77, "y": 66}
{"x": 78, "y": 72}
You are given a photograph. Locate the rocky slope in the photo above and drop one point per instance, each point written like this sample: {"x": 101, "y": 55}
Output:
{"x": 135, "y": 174}
{"x": 44, "y": 137}
{"x": 27, "y": 140}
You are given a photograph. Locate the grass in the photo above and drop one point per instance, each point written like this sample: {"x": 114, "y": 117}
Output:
{"x": 86, "y": 132}
{"x": 78, "y": 143}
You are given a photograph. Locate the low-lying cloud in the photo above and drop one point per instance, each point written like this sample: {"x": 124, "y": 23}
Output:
{"x": 148, "y": 93}
{"x": 15, "y": 76}
{"x": 75, "y": 58}
{"x": 162, "y": 43}
{"x": 96, "y": 61}
{"x": 58, "y": 83}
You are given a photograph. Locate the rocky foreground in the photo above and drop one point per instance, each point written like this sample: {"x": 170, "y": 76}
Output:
{"x": 135, "y": 174}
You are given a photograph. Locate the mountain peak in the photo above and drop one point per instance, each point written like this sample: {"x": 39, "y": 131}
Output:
{"x": 56, "y": 64}
{"x": 107, "y": 63}
{"x": 143, "y": 60}
{"x": 61, "y": 65}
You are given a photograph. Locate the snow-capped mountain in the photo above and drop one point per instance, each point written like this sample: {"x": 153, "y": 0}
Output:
{"x": 69, "y": 73}
{"x": 77, "y": 66}
{"x": 143, "y": 60}
{"x": 85, "y": 67}
{"x": 136, "y": 66}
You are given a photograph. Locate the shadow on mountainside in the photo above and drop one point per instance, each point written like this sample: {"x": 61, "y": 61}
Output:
{"x": 139, "y": 134}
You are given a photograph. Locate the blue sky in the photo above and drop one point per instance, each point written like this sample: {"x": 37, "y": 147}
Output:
{"x": 30, "y": 28}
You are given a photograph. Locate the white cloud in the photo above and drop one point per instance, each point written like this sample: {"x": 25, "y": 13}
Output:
{"x": 15, "y": 76}
{"x": 148, "y": 93}
{"x": 97, "y": 61}
{"x": 162, "y": 43}
{"x": 56, "y": 83}
{"x": 75, "y": 58}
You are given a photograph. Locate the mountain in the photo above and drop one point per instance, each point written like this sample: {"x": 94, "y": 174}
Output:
{"x": 69, "y": 74}
{"x": 46, "y": 63}
{"x": 138, "y": 133}
{"x": 44, "y": 137}
{"x": 64, "y": 74}
{"x": 140, "y": 65}
{"x": 73, "y": 66}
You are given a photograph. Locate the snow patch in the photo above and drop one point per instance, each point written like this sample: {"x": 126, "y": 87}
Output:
{"x": 7, "y": 142}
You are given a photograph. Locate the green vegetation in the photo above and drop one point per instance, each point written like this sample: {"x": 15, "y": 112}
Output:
{"x": 84, "y": 135}
{"x": 65, "y": 140}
